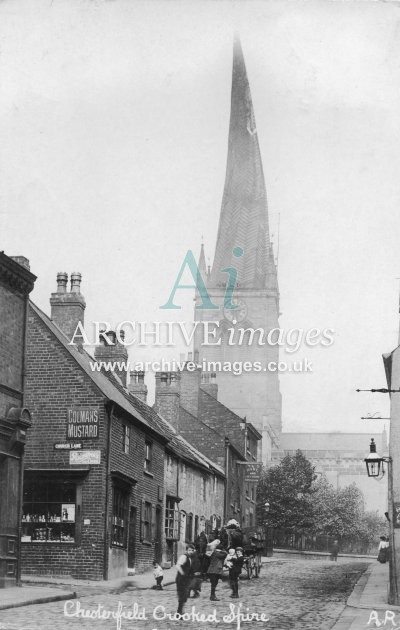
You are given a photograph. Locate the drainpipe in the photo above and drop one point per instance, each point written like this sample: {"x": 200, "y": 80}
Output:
{"x": 109, "y": 410}
{"x": 226, "y": 479}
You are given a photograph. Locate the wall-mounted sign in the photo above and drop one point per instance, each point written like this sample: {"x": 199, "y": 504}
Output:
{"x": 68, "y": 446}
{"x": 84, "y": 457}
{"x": 82, "y": 423}
{"x": 252, "y": 471}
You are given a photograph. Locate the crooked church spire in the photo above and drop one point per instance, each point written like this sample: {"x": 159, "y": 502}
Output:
{"x": 244, "y": 213}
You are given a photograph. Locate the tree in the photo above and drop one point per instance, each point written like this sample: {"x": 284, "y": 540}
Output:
{"x": 302, "y": 505}
{"x": 288, "y": 490}
{"x": 337, "y": 513}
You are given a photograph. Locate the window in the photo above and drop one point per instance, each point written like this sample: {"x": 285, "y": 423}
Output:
{"x": 196, "y": 527}
{"x": 189, "y": 527}
{"x": 204, "y": 488}
{"x": 148, "y": 454}
{"x": 183, "y": 474}
{"x": 215, "y": 484}
{"x": 171, "y": 519}
{"x": 49, "y": 510}
{"x": 147, "y": 521}
{"x": 119, "y": 516}
{"x": 126, "y": 438}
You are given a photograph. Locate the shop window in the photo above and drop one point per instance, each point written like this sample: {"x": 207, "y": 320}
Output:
{"x": 148, "y": 456}
{"x": 126, "y": 438}
{"x": 49, "y": 511}
{"x": 119, "y": 516}
{"x": 172, "y": 519}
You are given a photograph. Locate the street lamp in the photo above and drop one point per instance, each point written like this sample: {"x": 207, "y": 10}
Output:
{"x": 268, "y": 537}
{"x": 374, "y": 461}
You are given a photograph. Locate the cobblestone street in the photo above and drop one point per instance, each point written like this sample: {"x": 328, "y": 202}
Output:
{"x": 298, "y": 594}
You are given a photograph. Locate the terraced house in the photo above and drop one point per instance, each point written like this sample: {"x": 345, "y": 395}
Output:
{"x": 95, "y": 498}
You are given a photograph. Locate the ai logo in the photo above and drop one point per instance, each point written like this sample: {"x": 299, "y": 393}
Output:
{"x": 206, "y": 303}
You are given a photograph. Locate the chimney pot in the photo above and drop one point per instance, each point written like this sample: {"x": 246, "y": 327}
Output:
{"x": 76, "y": 279}
{"x": 62, "y": 279}
{"x": 21, "y": 260}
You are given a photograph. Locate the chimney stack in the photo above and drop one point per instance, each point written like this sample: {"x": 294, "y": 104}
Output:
{"x": 209, "y": 383}
{"x": 114, "y": 352}
{"x": 167, "y": 402}
{"x": 137, "y": 386}
{"x": 68, "y": 308}
{"x": 190, "y": 386}
{"x": 21, "y": 260}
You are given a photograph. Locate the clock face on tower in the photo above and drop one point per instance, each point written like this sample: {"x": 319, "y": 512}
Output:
{"x": 238, "y": 314}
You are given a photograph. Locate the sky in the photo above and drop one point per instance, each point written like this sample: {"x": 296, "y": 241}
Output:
{"x": 114, "y": 122}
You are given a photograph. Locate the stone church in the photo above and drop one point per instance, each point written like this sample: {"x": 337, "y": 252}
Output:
{"x": 244, "y": 260}
{"x": 244, "y": 246}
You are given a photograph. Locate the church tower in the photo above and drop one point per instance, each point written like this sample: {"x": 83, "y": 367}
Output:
{"x": 244, "y": 253}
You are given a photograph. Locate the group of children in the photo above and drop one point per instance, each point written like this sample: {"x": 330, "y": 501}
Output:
{"x": 233, "y": 563}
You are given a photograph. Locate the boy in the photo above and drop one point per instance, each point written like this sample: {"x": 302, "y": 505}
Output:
{"x": 184, "y": 577}
{"x": 236, "y": 564}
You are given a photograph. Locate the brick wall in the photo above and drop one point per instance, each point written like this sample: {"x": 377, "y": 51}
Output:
{"x": 54, "y": 383}
{"x": 149, "y": 486}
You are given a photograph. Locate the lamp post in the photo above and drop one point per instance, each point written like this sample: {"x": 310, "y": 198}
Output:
{"x": 268, "y": 530}
{"x": 373, "y": 462}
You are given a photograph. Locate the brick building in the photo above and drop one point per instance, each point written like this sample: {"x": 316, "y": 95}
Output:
{"x": 94, "y": 469}
{"x": 194, "y": 485}
{"x": 192, "y": 407}
{"x": 16, "y": 282}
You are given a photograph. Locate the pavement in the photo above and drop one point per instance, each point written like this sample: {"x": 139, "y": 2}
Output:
{"x": 366, "y": 607}
{"x": 40, "y": 590}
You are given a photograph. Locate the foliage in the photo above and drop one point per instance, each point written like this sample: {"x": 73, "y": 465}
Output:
{"x": 304, "y": 504}
{"x": 337, "y": 513}
{"x": 288, "y": 489}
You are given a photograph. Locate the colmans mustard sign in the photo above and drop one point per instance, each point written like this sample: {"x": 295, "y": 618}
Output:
{"x": 82, "y": 423}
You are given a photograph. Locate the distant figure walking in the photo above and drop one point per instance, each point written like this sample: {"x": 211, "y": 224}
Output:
{"x": 334, "y": 551}
{"x": 383, "y": 550}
